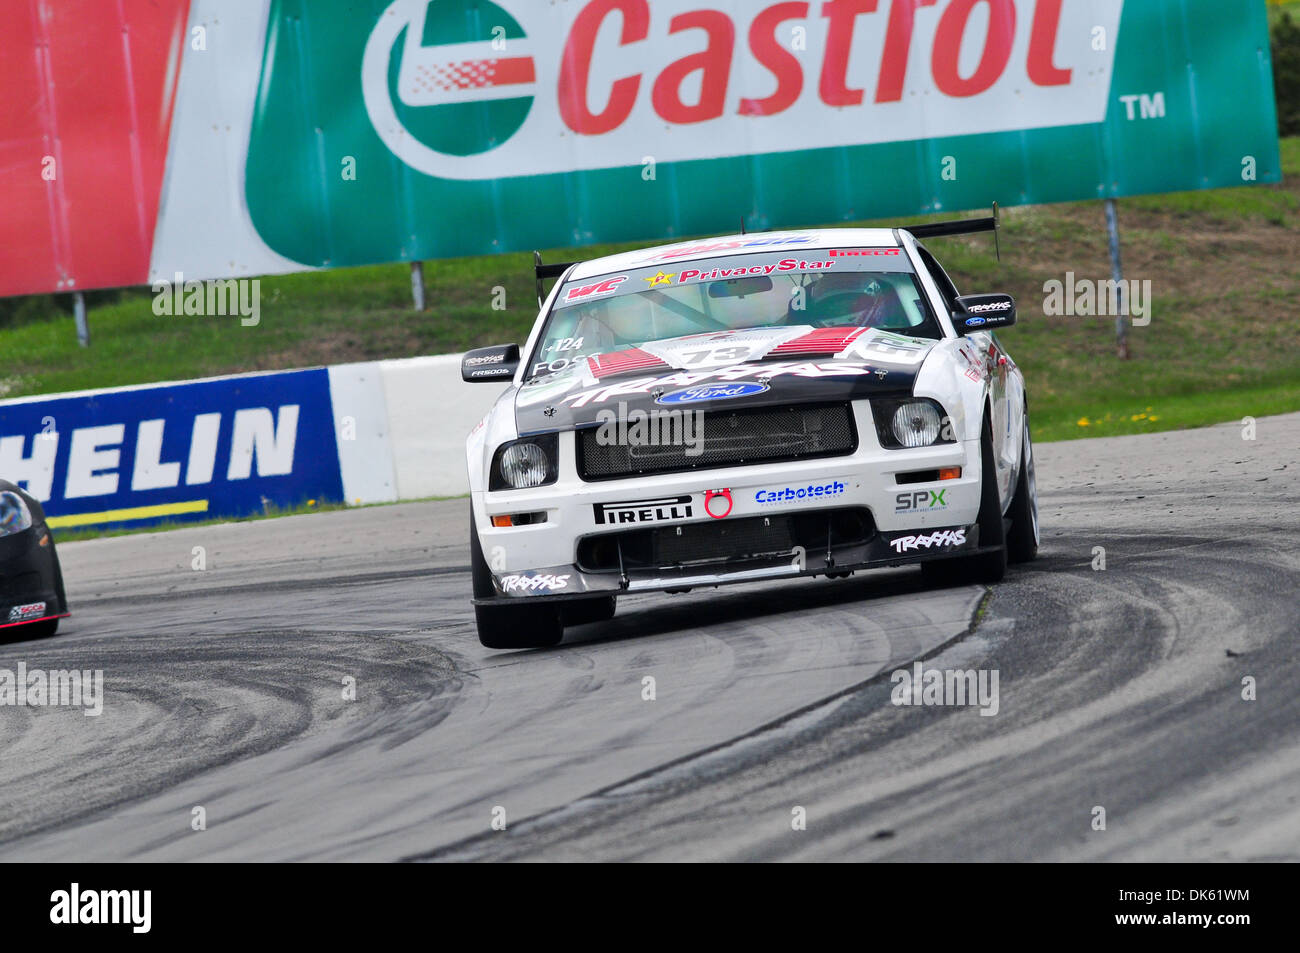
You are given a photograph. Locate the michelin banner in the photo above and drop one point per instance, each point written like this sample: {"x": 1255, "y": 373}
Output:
{"x": 226, "y": 447}
{"x": 234, "y": 446}
{"x": 280, "y": 135}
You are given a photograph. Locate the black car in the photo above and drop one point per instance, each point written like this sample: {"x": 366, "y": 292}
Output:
{"x": 31, "y": 581}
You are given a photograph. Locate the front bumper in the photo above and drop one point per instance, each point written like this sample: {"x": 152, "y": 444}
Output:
{"x": 564, "y": 582}
{"x": 29, "y": 578}
{"x": 544, "y": 557}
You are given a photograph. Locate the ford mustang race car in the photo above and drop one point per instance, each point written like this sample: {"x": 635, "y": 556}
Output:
{"x": 31, "y": 581}
{"x": 759, "y": 406}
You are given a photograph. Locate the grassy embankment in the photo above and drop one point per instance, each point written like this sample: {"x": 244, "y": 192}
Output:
{"x": 1223, "y": 342}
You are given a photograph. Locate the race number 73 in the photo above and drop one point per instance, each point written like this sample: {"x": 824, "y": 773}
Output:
{"x": 715, "y": 355}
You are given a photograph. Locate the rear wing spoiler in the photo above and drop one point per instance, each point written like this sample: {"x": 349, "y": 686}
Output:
{"x": 967, "y": 226}
{"x": 545, "y": 272}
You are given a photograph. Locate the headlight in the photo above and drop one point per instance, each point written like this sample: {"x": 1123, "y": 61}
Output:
{"x": 916, "y": 425}
{"x": 907, "y": 424}
{"x": 14, "y": 514}
{"x": 525, "y": 463}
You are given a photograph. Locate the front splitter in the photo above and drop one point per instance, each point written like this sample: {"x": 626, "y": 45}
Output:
{"x": 559, "y": 583}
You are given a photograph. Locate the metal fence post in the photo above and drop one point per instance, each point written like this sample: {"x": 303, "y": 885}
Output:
{"x": 417, "y": 284}
{"x": 1117, "y": 275}
{"x": 79, "y": 315}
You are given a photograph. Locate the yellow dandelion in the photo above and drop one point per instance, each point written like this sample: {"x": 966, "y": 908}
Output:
{"x": 1084, "y": 422}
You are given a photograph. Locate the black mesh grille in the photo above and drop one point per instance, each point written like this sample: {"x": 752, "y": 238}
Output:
{"x": 759, "y": 435}
{"x": 743, "y": 538}
{"x": 724, "y": 541}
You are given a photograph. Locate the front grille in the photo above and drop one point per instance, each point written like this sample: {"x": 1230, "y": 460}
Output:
{"x": 730, "y": 438}
{"x": 719, "y": 542}
{"x": 703, "y": 542}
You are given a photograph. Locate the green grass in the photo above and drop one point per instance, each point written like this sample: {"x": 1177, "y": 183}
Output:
{"x": 1124, "y": 416}
{"x": 1224, "y": 267}
{"x": 1224, "y": 338}
{"x": 1277, "y": 7}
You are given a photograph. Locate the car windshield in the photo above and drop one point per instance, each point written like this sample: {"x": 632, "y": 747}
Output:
{"x": 850, "y": 287}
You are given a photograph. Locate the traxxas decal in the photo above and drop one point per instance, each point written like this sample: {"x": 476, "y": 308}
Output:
{"x": 941, "y": 539}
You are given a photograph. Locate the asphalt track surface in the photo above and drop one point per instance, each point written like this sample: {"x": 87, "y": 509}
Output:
{"x": 1118, "y": 688}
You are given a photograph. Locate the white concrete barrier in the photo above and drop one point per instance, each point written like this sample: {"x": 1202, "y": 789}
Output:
{"x": 430, "y": 412}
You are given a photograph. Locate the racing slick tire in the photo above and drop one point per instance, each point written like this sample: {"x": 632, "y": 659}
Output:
{"x": 986, "y": 567}
{"x": 40, "y": 630}
{"x": 509, "y": 627}
{"x": 1022, "y": 538}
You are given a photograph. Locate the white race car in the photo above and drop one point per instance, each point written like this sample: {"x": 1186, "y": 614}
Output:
{"x": 754, "y": 407}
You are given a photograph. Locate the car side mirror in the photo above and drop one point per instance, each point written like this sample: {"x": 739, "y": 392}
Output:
{"x": 488, "y": 364}
{"x": 983, "y": 313}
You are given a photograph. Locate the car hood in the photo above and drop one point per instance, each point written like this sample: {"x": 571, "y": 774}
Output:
{"x": 725, "y": 370}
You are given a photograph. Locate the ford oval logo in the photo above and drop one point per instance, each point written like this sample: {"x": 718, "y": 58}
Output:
{"x": 975, "y": 322}
{"x": 719, "y": 391}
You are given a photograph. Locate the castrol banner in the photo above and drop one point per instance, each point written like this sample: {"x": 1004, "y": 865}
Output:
{"x": 223, "y": 138}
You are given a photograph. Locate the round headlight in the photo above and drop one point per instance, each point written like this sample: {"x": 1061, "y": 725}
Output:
{"x": 524, "y": 465}
{"x": 916, "y": 424}
{"x": 14, "y": 514}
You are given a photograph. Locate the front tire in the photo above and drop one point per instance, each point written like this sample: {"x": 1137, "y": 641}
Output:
{"x": 1022, "y": 539}
{"x": 509, "y": 626}
{"x": 40, "y": 630}
{"x": 983, "y": 568}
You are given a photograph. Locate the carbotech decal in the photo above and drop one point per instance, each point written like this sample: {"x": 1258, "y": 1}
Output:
{"x": 798, "y": 494}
